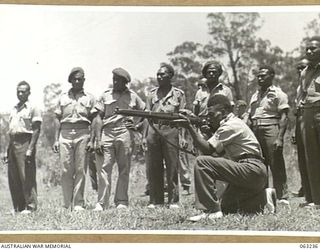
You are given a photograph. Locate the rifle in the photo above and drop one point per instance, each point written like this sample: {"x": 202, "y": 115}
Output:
{"x": 161, "y": 117}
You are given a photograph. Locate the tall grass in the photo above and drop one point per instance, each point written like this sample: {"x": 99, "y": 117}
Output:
{"x": 52, "y": 216}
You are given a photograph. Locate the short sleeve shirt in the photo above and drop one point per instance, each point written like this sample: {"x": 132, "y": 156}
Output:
{"x": 73, "y": 109}
{"x": 269, "y": 105}
{"x": 202, "y": 96}
{"x": 171, "y": 103}
{"x": 21, "y": 118}
{"x": 235, "y": 138}
{"x": 110, "y": 100}
{"x": 310, "y": 84}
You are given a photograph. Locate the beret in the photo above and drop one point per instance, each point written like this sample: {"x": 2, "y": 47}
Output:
{"x": 269, "y": 68}
{"x": 122, "y": 73}
{"x": 74, "y": 71}
{"x": 207, "y": 64}
{"x": 168, "y": 67}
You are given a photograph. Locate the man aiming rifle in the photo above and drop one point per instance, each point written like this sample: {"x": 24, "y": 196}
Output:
{"x": 239, "y": 163}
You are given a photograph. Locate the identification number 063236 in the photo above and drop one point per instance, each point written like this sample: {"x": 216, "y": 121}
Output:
{"x": 308, "y": 246}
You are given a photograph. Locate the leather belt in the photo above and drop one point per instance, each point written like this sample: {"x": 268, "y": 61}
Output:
{"x": 161, "y": 122}
{"x": 265, "y": 121}
{"x": 314, "y": 105}
{"x": 249, "y": 156}
{"x": 80, "y": 125}
{"x": 20, "y": 136}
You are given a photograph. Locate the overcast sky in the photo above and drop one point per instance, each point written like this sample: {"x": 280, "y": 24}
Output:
{"x": 40, "y": 44}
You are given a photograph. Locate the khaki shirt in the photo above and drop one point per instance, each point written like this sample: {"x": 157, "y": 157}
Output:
{"x": 22, "y": 118}
{"x": 171, "y": 103}
{"x": 111, "y": 100}
{"x": 202, "y": 96}
{"x": 269, "y": 105}
{"x": 235, "y": 138}
{"x": 73, "y": 109}
{"x": 310, "y": 85}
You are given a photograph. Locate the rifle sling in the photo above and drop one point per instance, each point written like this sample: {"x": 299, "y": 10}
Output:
{"x": 170, "y": 143}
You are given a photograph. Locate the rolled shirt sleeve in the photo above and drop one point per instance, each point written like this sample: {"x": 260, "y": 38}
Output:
{"x": 99, "y": 105}
{"x": 283, "y": 101}
{"x": 223, "y": 136}
{"x": 36, "y": 115}
{"x": 58, "y": 110}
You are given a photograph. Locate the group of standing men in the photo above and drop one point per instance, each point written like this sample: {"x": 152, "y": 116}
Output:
{"x": 230, "y": 150}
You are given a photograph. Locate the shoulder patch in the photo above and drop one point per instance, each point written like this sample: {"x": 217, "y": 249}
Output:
{"x": 153, "y": 89}
{"x": 89, "y": 94}
{"x": 107, "y": 90}
{"x": 271, "y": 95}
{"x": 178, "y": 90}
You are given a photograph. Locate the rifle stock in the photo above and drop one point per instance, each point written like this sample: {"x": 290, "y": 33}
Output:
{"x": 158, "y": 116}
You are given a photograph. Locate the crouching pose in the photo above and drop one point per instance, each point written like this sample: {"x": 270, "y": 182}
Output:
{"x": 240, "y": 164}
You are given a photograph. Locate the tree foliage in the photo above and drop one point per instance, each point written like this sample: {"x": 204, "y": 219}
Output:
{"x": 51, "y": 94}
{"x": 234, "y": 36}
{"x": 187, "y": 59}
{"x": 4, "y": 136}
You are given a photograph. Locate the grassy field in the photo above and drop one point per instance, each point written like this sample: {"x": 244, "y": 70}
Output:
{"x": 51, "y": 215}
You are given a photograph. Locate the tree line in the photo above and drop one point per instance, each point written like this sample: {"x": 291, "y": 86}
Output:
{"x": 234, "y": 43}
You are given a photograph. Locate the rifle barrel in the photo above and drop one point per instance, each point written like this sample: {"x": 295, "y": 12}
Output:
{"x": 157, "y": 115}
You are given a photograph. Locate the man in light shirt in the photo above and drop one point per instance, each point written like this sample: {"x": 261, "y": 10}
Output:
{"x": 239, "y": 164}
{"x": 24, "y": 129}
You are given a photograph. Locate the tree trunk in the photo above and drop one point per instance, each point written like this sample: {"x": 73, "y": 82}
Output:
{"x": 234, "y": 72}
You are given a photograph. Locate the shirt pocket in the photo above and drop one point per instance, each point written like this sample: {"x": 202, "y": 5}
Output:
{"x": 85, "y": 106}
{"x": 109, "y": 107}
{"x": 317, "y": 84}
{"x": 26, "y": 121}
{"x": 271, "y": 103}
{"x": 132, "y": 104}
{"x": 172, "y": 105}
{"x": 65, "y": 102}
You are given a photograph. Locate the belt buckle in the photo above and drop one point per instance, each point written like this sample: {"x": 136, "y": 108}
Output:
{"x": 73, "y": 131}
{"x": 254, "y": 122}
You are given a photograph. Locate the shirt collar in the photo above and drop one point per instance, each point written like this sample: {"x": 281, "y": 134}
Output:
{"x": 271, "y": 87}
{"x": 125, "y": 91}
{"x": 25, "y": 105}
{"x": 229, "y": 116}
{"x": 170, "y": 93}
{"x": 81, "y": 92}
{"x": 219, "y": 86}
{"x": 313, "y": 66}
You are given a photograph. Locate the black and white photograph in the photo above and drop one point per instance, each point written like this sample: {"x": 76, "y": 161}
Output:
{"x": 160, "y": 119}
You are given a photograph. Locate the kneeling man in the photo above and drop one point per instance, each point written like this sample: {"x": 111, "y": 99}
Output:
{"x": 239, "y": 164}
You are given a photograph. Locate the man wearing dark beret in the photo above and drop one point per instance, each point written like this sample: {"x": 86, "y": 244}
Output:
{"x": 168, "y": 99}
{"x": 113, "y": 135}
{"x": 73, "y": 140}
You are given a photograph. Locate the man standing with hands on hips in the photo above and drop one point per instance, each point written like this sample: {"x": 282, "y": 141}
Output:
{"x": 73, "y": 120}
